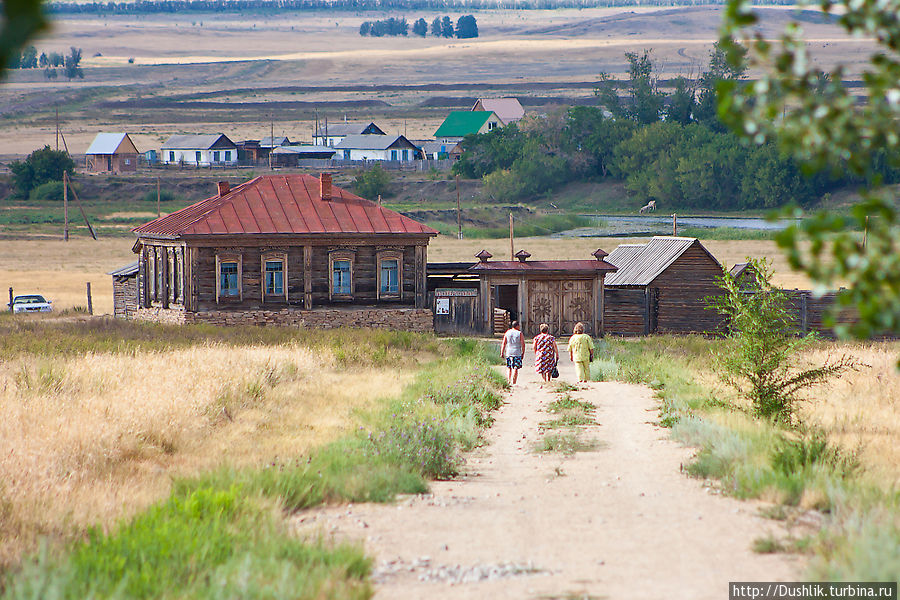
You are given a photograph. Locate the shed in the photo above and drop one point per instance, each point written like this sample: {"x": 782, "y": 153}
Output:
{"x": 125, "y": 290}
{"x": 460, "y": 123}
{"x": 112, "y": 153}
{"x": 285, "y": 249}
{"x": 557, "y": 292}
{"x": 661, "y": 287}
{"x": 508, "y": 109}
{"x": 199, "y": 150}
{"x": 290, "y": 156}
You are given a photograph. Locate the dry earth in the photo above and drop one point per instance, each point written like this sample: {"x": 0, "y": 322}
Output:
{"x": 618, "y": 522}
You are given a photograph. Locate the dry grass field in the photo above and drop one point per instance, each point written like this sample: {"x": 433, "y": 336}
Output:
{"x": 88, "y": 439}
{"x": 197, "y": 73}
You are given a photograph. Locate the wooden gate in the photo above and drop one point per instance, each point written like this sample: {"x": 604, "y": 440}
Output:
{"x": 560, "y": 304}
{"x": 455, "y": 311}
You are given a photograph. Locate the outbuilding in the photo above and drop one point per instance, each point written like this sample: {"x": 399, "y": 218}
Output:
{"x": 662, "y": 287}
{"x": 112, "y": 153}
{"x": 125, "y": 296}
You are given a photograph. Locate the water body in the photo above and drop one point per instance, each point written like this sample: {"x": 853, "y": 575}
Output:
{"x": 633, "y": 225}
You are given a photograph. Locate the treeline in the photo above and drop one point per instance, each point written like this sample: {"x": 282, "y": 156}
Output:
{"x": 173, "y": 6}
{"x": 671, "y": 148}
{"x": 29, "y": 59}
{"x": 466, "y": 27}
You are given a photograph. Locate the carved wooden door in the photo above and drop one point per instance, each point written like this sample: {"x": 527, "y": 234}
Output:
{"x": 544, "y": 306}
{"x": 577, "y": 305}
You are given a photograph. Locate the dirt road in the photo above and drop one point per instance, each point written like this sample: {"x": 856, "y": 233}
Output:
{"x": 618, "y": 522}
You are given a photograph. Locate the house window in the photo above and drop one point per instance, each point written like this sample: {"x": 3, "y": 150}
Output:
{"x": 228, "y": 278}
{"x": 151, "y": 275}
{"x": 177, "y": 274}
{"x": 228, "y": 156}
{"x": 274, "y": 276}
{"x": 406, "y": 155}
{"x": 346, "y": 155}
{"x": 393, "y": 155}
{"x": 197, "y": 156}
{"x": 127, "y": 161}
{"x": 160, "y": 275}
{"x": 340, "y": 277}
{"x": 171, "y": 156}
{"x": 216, "y": 155}
{"x": 390, "y": 274}
{"x": 491, "y": 126}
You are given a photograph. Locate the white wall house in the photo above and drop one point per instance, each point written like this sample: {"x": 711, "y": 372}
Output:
{"x": 376, "y": 147}
{"x": 199, "y": 150}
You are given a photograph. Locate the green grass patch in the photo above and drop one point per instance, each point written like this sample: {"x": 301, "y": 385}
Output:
{"x": 727, "y": 233}
{"x": 568, "y": 420}
{"x": 567, "y": 403}
{"x": 565, "y": 443}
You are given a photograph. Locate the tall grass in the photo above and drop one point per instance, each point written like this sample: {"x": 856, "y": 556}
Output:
{"x": 817, "y": 468}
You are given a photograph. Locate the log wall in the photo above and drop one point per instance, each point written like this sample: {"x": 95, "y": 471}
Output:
{"x": 125, "y": 296}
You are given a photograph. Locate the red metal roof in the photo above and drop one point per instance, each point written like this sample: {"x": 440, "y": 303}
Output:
{"x": 273, "y": 204}
{"x": 544, "y": 265}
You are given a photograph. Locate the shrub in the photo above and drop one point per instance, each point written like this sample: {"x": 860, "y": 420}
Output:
{"x": 50, "y": 191}
{"x": 372, "y": 183}
{"x": 164, "y": 196}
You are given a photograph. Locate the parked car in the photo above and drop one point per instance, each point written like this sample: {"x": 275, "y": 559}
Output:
{"x": 31, "y": 303}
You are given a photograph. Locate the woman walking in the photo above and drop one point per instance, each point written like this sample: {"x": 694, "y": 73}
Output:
{"x": 546, "y": 352}
{"x": 581, "y": 351}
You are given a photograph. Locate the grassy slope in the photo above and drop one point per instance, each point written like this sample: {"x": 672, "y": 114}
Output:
{"x": 806, "y": 475}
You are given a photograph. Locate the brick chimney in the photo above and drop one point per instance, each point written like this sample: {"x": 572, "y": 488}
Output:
{"x": 325, "y": 186}
{"x": 224, "y": 188}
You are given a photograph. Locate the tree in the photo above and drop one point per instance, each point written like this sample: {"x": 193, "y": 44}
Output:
{"x": 759, "y": 359}
{"x": 645, "y": 100}
{"x": 719, "y": 69}
{"x": 420, "y": 27}
{"x": 29, "y": 58}
{"x": 372, "y": 183}
{"x": 365, "y": 28}
{"x": 22, "y": 20}
{"x": 446, "y": 27}
{"x": 681, "y": 104}
{"x": 43, "y": 61}
{"x": 40, "y": 167}
{"x": 466, "y": 27}
{"x": 436, "y": 27}
{"x": 818, "y": 120}
{"x": 72, "y": 70}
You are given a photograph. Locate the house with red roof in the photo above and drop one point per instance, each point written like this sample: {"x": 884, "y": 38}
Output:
{"x": 284, "y": 249}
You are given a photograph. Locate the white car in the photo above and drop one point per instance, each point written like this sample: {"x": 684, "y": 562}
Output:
{"x": 31, "y": 303}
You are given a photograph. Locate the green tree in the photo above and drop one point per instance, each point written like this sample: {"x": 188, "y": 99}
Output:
{"x": 760, "y": 359}
{"x": 420, "y": 27}
{"x": 372, "y": 183}
{"x": 72, "y": 68}
{"x": 436, "y": 27}
{"x": 819, "y": 121}
{"x": 22, "y": 20}
{"x": 489, "y": 152}
{"x": 466, "y": 27}
{"x": 645, "y": 101}
{"x": 40, "y": 167}
{"x": 719, "y": 69}
{"x": 365, "y": 28}
{"x": 682, "y": 102}
{"x": 29, "y": 58}
{"x": 446, "y": 27}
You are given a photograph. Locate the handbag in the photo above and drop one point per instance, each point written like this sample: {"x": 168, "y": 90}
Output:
{"x": 554, "y": 373}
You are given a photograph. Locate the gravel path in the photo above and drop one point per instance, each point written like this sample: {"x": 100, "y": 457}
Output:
{"x": 619, "y": 521}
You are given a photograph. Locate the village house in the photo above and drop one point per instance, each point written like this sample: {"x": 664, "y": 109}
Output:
{"x": 509, "y": 110}
{"x": 377, "y": 147}
{"x": 461, "y": 123}
{"x": 112, "y": 153}
{"x": 284, "y": 249}
{"x": 332, "y": 134}
{"x": 662, "y": 287}
{"x": 199, "y": 150}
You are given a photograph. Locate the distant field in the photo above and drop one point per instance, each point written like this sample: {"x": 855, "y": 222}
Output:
{"x": 309, "y": 62}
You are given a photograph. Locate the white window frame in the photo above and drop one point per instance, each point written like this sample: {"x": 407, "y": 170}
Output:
{"x": 228, "y": 156}
{"x": 229, "y": 258}
{"x": 272, "y": 257}
{"x": 337, "y": 255}
{"x": 380, "y": 258}
{"x": 216, "y": 155}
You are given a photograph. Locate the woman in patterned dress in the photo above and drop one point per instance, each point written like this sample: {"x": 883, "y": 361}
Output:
{"x": 546, "y": 353}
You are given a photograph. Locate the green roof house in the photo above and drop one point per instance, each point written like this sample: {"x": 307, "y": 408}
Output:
{"x": 461, "y": 123}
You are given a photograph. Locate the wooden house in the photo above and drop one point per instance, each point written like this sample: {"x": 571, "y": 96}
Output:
{"x": 377, "y": 147}
{"x": 112, "y": 153}
{"x": 557, "y": 292}
{"x": 460, "y": 123}
{"x": 286, "y": 249}
{"x": 199, "y": 150}
{"x": 661, "y": 287}
{"x": 509, "y": 110}
{"x": 125, "y": 296}
{"x": 334, "y": 133}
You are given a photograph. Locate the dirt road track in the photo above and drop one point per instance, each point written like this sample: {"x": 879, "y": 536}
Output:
{"x": 618, "y": 522}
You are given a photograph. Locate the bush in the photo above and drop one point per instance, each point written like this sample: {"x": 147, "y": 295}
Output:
{"x": 50, "y": 191}
{"x": 372, "y": 183}
{"x": 40, "y": 167}
{"x": 164, "y": 196}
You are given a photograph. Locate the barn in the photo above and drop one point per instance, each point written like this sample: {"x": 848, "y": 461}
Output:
{"x": 112, "y": 153}
{"x": 661, "y": 287}
{"x": 284, "y": 249}
{"x": 125, "y": 294}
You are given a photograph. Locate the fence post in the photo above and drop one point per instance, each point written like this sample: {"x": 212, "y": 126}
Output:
{"x": 804, "y": 322}
{"x": 10, "y": 299}
{"x": 90, "y": 306}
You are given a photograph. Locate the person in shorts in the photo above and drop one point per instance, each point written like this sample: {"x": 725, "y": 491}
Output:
{"x": 513, "y": 349}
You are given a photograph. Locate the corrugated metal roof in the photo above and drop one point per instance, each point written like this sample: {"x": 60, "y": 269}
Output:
{"x": 106, "y": 143}
{"x": 583, "y": 266}
{"x": 372, "y": 142}
{"x": 342, "y": 129}
{"x": 303, "y": 149}
{"x": 460, "y": 123}
{"x": 508, "y": 109}
{"x": 282, "y": 204}
{"x": 127, "y": 270}
{"x": 640, "y": 264}
{"x": 280, "y": 140}
{"x": 194, "y": 142}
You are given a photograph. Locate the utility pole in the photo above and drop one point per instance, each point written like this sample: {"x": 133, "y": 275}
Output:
{"x": 66, "y": 205}
{"x": 271, "y": 138}
{"x": 458, "y": 216}
{"x": 512, "y": 250}
{"x": 157, "y": 197}
{"x": 57, "y": 127}
{"x": 674, "y": 225}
